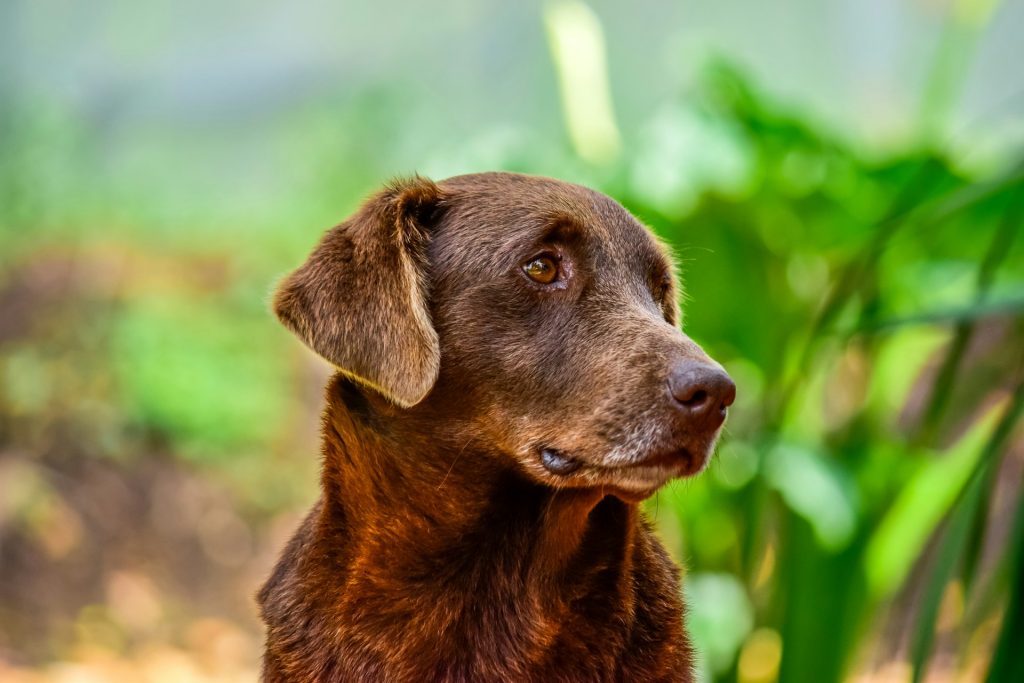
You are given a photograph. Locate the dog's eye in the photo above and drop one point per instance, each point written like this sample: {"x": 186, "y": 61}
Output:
{"x": 542, "y": 269}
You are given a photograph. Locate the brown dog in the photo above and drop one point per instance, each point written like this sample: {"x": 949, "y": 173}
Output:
{"x": 512, "y": 383}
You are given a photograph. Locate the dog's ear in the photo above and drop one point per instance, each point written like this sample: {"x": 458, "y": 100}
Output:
{"x": 360, "y": 300}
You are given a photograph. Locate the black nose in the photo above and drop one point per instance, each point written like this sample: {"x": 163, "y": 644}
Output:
{"x": 702, "y": 390}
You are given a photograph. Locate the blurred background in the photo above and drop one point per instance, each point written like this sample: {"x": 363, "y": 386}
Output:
{"x": 842, "y": 181}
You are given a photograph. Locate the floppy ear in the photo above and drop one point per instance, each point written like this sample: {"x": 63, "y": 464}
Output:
{"x": 360, "y": 300}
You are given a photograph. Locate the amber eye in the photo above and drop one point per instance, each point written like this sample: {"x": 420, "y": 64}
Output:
{"x": 542, "y": 269}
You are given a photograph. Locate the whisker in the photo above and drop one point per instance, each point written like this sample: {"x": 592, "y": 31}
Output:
{"x": 452, "y": 467}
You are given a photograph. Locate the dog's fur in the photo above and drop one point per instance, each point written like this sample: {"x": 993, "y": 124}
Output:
{"x": 443, "y": 548}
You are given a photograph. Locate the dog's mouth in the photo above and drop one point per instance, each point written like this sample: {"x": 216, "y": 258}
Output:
{"x": 635, "y": 480}
{"x": 559, "y": 463}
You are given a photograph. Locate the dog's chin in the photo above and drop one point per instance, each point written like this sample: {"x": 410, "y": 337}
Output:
{"x": 635, "y": 482}
{"x": 632, "y": 481}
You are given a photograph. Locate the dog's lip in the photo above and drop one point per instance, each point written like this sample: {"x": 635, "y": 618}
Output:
{"x": 558, "y": 463}
{"x": 648, "y": 473}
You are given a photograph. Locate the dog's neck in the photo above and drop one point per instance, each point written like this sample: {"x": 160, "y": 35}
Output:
{"x": 435, "y": 522}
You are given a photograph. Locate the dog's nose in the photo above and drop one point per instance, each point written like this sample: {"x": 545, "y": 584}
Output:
{"x": 703, "y": 391}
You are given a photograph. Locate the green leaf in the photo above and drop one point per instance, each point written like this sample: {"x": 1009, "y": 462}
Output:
{"x": 817, "y": 490}
{"x": 920, "y": 507}
{"x": 1007, "y": 663}
{"x": 950, "y": 551}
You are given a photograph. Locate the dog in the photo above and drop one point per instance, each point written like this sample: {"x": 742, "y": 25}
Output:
{"x": 512, "y": 381}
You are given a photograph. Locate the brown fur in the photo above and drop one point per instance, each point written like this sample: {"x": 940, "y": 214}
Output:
{"x": 443, "y": 547}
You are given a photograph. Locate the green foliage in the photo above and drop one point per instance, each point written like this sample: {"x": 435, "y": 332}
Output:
{"x": 186, "y": 373}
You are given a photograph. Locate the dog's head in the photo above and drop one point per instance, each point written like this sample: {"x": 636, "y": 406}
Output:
{"x": 535, "y": 315}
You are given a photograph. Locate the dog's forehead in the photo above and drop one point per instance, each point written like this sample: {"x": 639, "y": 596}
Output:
{"x": 502, "y": 213}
